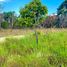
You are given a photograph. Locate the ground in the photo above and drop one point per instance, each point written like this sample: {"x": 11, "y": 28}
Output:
{"x": 19, "y": 48}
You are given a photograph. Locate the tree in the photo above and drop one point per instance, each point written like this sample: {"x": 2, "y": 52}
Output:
{"x": 35, "y": 11}
{"x": 1, "y": 15}
{"x": 50, "y": 21}
{"x": 10, "y": 18}
{"x": 62, "y": 14}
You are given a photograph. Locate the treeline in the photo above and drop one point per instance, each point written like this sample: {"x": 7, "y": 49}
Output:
{"x": 34, "y": 14}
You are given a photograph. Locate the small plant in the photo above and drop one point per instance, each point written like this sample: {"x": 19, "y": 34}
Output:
{"x": 4, "y": 24}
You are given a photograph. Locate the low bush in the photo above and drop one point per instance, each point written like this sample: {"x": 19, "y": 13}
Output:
{"x": 4, "y": 24}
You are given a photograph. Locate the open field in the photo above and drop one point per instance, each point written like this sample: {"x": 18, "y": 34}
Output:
{"x": 15, "y": 32}
{"x": 51, "y": 50}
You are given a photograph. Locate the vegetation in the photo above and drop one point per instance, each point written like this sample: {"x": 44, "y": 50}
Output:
{"x": 62, "y": 14}
{"x": 35, "y": 48}
{"x": 10, "y": 18}
{"x": 50, "y": 22}
{"x": 4, "y": 25}
{"x": 51, "y": 50}
{"x": 33, "y": 13}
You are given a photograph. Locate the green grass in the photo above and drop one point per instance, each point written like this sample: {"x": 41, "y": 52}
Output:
{"x": 51, "y": 51}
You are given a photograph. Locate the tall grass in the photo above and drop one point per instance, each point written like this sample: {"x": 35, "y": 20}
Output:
{"x": 51, "y": 50}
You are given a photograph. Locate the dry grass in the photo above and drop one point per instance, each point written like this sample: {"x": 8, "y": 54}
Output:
{"x": 9, "y": 32}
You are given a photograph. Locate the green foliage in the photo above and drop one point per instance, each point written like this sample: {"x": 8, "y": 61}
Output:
{"x": 18, "y": 23}
{"x": 62, "y": 8}
{"x": 4, "y": 24}
{"x": 23, "y": 23}
{"x": 33, "y": 13}
{"x": 10, "y": 17}
{"x": 62, "y": 15}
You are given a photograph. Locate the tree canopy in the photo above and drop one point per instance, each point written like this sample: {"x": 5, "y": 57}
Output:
{"x": 34, "y": 12}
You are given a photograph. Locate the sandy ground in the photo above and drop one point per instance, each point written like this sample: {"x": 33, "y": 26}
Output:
{"x": 14, "y": 32}
{"x": 2, "y": 39}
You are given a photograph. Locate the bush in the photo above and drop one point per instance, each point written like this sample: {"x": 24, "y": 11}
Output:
{"x": 4, "y": 24}
{"x": 23, "y": 23}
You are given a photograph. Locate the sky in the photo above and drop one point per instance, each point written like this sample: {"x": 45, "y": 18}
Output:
{"x": 15, "y": 5}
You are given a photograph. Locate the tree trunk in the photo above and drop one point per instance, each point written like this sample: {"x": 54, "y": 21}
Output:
{"x": 36, "y": 35}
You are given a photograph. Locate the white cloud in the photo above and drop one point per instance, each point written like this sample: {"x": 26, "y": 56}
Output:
{"x": 2, "y": 0}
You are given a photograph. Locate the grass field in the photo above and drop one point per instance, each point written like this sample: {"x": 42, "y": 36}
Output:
{"x": 51, "y": 50}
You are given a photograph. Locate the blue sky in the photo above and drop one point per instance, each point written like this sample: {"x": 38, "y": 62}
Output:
{"x": 15, "y": 5}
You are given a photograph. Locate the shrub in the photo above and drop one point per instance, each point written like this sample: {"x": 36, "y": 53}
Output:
{"x": 4, "y": 24}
